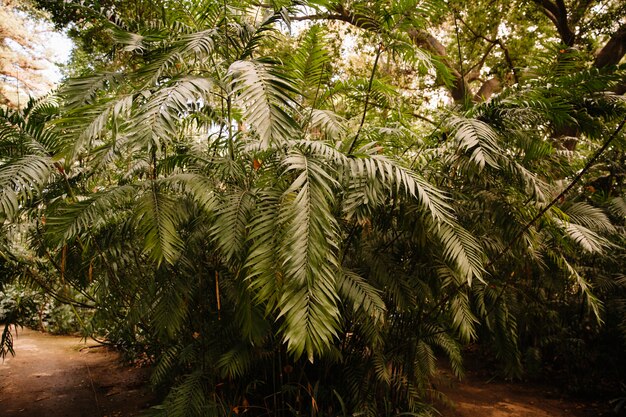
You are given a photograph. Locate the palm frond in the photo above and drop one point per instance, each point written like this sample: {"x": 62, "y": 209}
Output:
{"x": 187, "y": 47}
{"x": 361, "y": 294}
{"x": 309, "y": 255}
{"x": 158, "y": 217}
{"x": 592, "y": 300}
{"x": 591, "y": 217}
{"x": 81, "y": 91}
{"x": 262, "y": 92}
{"x": 158, "y": 117}
{"x": 309, "y": 65}
{"x": 235, "y": 362}
{"x": 375, "y": 167}
{"x": 476, "y": 138}
{"x": 328, "y": 122}
{"x": 22, "y": 180}
{"x": 231, "y": 223}
{"x": 589, "y": 240}
{"x": 88, "y": 215}
{"x": 618, "y": 206}
{"x": 460, "y": 247}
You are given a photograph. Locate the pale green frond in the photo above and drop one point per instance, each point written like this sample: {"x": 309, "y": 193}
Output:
{"x": 89, "y": 215}
{"x": 187, "y": 48}
{"x": 321, "y": 149}
{"x": 476, "y": 138}
{"x": 231, "y": 223}
{"x": 375, "y": 167}
{"x": 590, "y": 217}
{"x": 201, "y": 188}
{"x": 309, "y": 255}
{"x": 332, "y": 125}
{"x": 355, "y": 289}
{"x": 80, "y": 91}
{"x": 252, "y": 36}
{"x": 310, "y": 63}
{"x": 130, "y": 42}
{"x": 460, "y": 247}
{"x": 262, "y": 266}
{"x": 262, "y": 93}
{"x": 158, "y": 217}
{"x": 588, "y": 240}
{"x": 85, "y": 127}
{"x": 157, "y": 119}
{"x": 30, "y": 136}
{"x": 22, "y": 180}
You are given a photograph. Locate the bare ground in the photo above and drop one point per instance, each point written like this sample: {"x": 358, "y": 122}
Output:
{"x": 61, "y": 376}
{"x": 477, "y": 396}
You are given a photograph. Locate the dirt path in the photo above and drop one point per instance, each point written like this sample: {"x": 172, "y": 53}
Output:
{"x": 60, "y": 376}
{"x": 478, "y": 397}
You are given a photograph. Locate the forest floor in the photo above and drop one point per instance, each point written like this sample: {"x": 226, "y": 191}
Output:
{"x": 62, "y": 376}
{"x": 477, "y": 396}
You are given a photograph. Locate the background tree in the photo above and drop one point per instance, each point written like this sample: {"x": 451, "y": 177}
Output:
{"x": 26, "y": 64}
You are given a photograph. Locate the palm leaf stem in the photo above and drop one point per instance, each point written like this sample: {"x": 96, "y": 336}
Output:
{"x": 55, "y": 294}
{"x": 61, "y": 271}
{"x": 231, "y": 149}
{"x": 367, "y": 97}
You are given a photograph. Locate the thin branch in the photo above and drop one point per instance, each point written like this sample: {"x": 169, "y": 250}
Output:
{"x": 473, "y": 73}
{"x": 458, "y": 44}
{"x": 367, "y": 98}
{"x": 426, "y": 119}
{"x": 343, "y": 15}
{"x": 505, "y": 50}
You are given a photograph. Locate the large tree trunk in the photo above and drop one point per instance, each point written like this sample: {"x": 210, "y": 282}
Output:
{"x": 614, "y": 50}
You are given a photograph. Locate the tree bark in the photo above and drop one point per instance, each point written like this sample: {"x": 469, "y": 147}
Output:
{"x": 557, "y": 13}
{"x": 614, "y": 50}
{"x": 489, "y": 88}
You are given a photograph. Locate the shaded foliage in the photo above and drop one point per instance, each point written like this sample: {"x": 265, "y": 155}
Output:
{"x": 283, "y": 240}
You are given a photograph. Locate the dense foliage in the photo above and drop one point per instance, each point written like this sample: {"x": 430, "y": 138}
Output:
{"x": 289, "y": 223}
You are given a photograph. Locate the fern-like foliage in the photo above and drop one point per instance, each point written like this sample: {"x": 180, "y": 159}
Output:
{"x": 283, "y": 238}
{"x": 263, "y": 94}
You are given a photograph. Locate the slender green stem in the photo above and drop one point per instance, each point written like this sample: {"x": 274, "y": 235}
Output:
{"x": 367, "y": 97}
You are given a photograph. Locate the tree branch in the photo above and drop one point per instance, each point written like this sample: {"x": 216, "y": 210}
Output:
{"x": 557, "y": 13}
{"x": 507, "y": 55}
{"x": 614, "y": 50}
{"x": 420, "y": 38}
